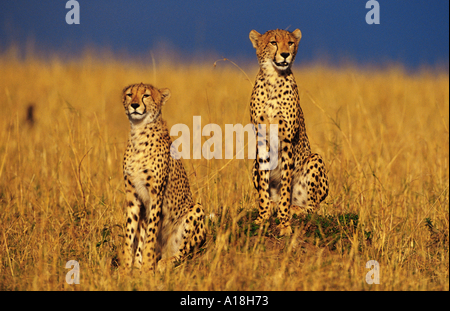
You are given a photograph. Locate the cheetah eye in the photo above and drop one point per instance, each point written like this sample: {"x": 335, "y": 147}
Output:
{"x": 290, "y": 43}
{"x": 273, "y": 42}
{"x": 129, "y": 94}
{"x": 146, "y": 95}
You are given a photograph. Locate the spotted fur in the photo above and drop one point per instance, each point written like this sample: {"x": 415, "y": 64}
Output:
{"x": 299, "y": 183}
{"x": 162, "y": 220}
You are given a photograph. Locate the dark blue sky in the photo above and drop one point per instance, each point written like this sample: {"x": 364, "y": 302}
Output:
{"x": 413, "y": 32}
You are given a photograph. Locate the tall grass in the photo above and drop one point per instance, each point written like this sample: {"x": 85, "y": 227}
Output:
{"x": 383, "y": 134}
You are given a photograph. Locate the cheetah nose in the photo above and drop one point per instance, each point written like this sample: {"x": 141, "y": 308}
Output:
{"x": 135, "y": 106}
{"x": 285, "y": 55}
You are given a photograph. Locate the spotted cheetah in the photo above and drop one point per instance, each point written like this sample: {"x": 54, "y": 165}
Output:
{"x": 299, "y": 183}
{"x": 162, "y": 223}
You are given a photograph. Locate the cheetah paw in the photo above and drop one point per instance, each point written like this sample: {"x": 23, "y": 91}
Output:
{"x": 137, "y": 265}
{"x": 285, "y": 231}
{"x": 164, "y": 264}
{"x": 259, "y": 220}
{"x": 296, "y": 210}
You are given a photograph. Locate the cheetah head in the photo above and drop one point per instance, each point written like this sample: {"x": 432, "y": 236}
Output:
{"x": 143, "y": 102}
{"x": 276, "y": 48}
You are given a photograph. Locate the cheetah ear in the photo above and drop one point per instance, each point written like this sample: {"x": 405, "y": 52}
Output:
{"x": 165, "y": 95}
{"x": 297, "y": 34}
{"x": 254, "y": 37}
{"x": 126, "y": 88}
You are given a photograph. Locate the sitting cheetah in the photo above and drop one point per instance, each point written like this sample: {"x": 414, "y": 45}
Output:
{"x": 299, "y": 183}
{"x": 162, "y": 220}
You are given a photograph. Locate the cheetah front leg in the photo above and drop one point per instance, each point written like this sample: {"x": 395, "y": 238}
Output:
{"x": 255, "y": 174}
{"x": 140, "y": 237}
{"x": 134, "y": 206}
{"x": 261, "y": 179}
{"x": 152, "y": 230}
{"x": 284, "y": 204}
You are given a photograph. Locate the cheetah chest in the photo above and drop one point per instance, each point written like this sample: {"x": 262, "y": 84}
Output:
{"x": 276, "y": 98}
{"x": 140, "y": 166}
{"x": 138, "y": 177}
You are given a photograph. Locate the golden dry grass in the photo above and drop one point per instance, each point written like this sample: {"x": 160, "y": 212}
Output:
{"x": 383, "y": 133}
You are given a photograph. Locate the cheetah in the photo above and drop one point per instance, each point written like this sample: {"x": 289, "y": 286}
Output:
{"x": 299, "y": 182}
{"x": 163, "y": 224}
